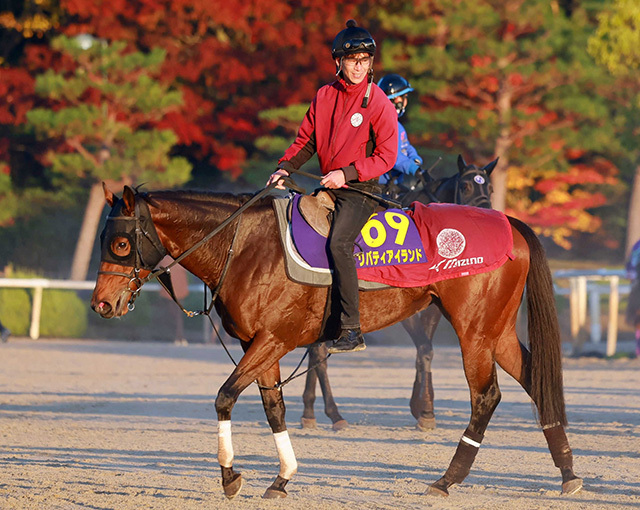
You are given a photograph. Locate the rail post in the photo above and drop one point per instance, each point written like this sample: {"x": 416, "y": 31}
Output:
{"x": 614, "y": 299}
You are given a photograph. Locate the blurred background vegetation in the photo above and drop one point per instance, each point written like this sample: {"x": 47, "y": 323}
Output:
{"x": 207, "y": 94}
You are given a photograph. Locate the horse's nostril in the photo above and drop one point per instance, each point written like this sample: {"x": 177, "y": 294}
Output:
{"x": 102, "y": 308}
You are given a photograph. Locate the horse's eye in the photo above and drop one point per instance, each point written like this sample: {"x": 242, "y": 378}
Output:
{"x": 120, "y": 246}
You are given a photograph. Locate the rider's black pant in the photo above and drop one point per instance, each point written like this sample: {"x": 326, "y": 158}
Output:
{"x": 351, "y": 213}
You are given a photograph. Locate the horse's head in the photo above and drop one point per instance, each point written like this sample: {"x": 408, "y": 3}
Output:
{"x": 474, "y": 185}
{"x": 130, "y": 249}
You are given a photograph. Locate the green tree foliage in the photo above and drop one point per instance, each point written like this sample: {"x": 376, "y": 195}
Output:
{"x": 104, "y": 110}
{"x": 492, "y": 78}
{"x": 105, "y": 105}
{"x": 64, "y": 314}
{"x": 616, "y": 46}
{"x": 616, "y": 42}
{"x": 514, "y": 80}
{"x": 15, "y": 307}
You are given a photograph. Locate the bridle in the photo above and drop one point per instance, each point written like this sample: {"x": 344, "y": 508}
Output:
{"x": 482, "y": 198}
{"x": 146, "y": 249}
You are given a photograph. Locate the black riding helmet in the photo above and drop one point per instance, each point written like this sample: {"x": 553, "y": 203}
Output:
{"x": 352, "y": 39}
{"x": 349, "y": 41}
{"x": 394, "y": 85}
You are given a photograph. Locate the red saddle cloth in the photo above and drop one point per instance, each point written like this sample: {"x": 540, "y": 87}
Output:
{"x": 458, "y": 241}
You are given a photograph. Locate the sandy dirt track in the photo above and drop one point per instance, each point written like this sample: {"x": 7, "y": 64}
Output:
{"x": 113, "y": 425}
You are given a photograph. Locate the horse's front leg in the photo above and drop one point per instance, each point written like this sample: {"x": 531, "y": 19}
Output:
{"x": 275, "y": 410}
{"x": 259, "y": 358}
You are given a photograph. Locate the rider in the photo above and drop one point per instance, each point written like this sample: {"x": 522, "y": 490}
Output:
{"x": 354, "y": 130}
{"x": 397, "y": 89}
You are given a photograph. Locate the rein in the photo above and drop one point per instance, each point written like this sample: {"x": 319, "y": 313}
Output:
{"x": 162, "y": 272}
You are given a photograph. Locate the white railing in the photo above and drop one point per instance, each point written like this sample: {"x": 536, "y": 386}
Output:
{"x": 584, "y": 287}
{"x": 592, "y": 284}
{"x": 39, "y": 284}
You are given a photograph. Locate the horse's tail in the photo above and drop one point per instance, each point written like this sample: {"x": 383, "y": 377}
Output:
{"x": 544, "y": 333}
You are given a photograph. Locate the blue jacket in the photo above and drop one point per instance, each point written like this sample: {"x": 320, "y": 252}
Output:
{"x": 406, "y": 161}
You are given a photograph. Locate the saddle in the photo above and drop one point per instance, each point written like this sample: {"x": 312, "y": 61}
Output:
{"x": 316, "y": 210}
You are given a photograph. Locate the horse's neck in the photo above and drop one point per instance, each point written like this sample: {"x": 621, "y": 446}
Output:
{"x": 445, "y": 189}
{"x": 181, "y": 225}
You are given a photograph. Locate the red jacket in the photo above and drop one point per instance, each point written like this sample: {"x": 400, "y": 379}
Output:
{"x": 344, "y": 134}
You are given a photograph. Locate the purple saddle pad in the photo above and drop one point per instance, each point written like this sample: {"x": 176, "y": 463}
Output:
{"x": 389, "y": 238}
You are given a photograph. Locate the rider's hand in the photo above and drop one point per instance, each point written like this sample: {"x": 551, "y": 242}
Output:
{"x": 277, "y": 177}
{"x": 334, "y": 179}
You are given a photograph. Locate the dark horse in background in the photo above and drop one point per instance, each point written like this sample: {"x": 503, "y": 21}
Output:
{"x": 470, "y": 186}
{"x": 271, "y": 315}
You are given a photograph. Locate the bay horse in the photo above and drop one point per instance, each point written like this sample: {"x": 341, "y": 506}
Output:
{"x": 271, "y": 315}
{"x": 471, "y": 185}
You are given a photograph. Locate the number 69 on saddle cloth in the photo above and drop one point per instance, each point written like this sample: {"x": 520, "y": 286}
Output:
{"x": 413, "y": 247}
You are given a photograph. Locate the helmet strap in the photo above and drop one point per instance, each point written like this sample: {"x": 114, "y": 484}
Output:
{"x": 365, "y": 99}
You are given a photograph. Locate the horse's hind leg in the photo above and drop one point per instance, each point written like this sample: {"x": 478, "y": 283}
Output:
{"x": 318, "y": 354}
{"x": 421, "y": 328}
{"x": 308, "y": 419}
{"x": 480, "y": 370}
{"x": 515, "y": 359}
{"x": 260, "y": 355}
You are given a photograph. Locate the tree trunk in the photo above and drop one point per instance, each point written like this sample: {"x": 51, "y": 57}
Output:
{"x": 503, "y": 143}
{"x": 84, "y": 246}
{"x": 633, "y": 220}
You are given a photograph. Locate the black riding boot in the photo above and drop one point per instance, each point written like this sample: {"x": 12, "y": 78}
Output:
{"x": 350, "y": 340}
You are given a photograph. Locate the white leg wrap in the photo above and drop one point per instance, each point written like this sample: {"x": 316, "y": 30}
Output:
{"x": 470, "y": 441}
{"x": 288, "y": 462}
{"x": 225, "y": 446}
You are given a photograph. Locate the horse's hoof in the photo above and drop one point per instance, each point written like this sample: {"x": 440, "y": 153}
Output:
{"x": 437, "y": 491}
{"x": 439, "y": 488}
{"x": 232, "y": 489}
{"x": 425, "y": 424}
{"x": 340, "y": 425}
{"x": 276, "y": 490}
{"x": 271, "y": 493}
{"x": 308, "y": 423}
{"x": 572, "y": 486}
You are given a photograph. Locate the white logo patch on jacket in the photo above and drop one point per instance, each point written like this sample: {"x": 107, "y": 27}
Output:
{"x": 356, "y": 119}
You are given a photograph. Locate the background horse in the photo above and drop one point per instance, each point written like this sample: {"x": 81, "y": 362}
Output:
{"x": 271, "y": 315}
{"x": 470, "y": 186}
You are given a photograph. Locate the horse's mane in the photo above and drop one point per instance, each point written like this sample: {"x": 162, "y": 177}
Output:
{"x": 433, "y": 186}
{"x": 203, "y": 197}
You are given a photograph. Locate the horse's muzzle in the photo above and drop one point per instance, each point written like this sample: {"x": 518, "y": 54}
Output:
{"x": 104, "y": 309}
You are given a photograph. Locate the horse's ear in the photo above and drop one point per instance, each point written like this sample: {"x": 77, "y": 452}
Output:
{"x": 462, "y": 164}
{"x": 129, "y": 199}
{"x": 108, "y": 195}
{"x": 490, "y": 166}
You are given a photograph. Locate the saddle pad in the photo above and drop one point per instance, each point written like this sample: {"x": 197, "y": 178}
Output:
{"x": 459, "y": 240}
{"x": 388, "y": 238}
{"x": 455, "y": 241}
{"x": 297, "y": 269}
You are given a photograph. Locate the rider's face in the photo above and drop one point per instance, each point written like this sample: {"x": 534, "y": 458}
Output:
{"x": 355, "y": 67}
{"x": 400, "y": 103}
